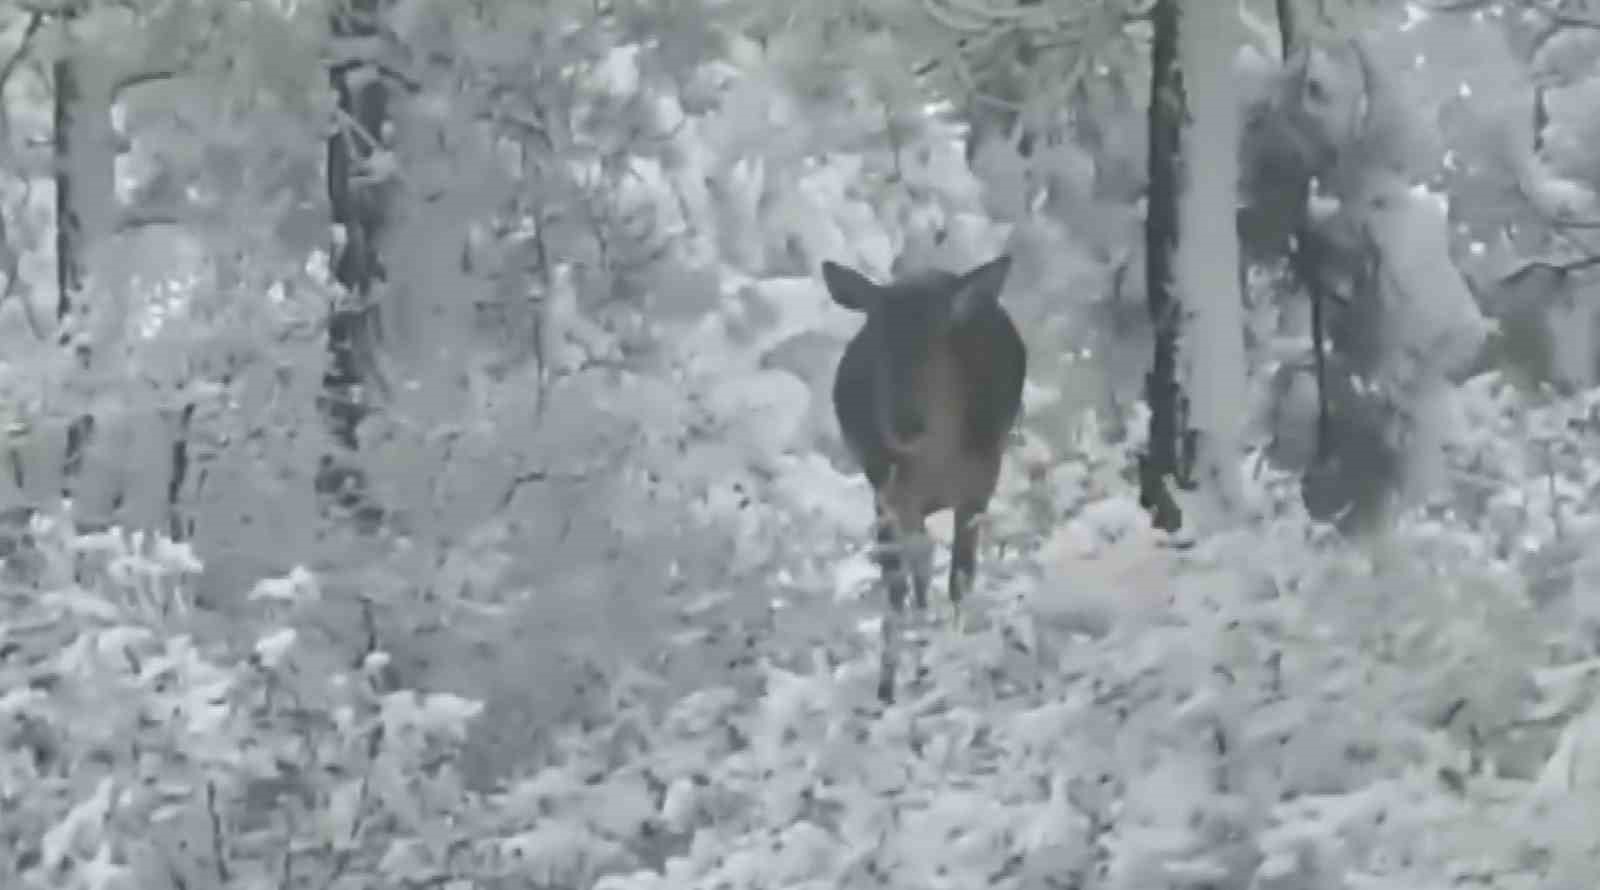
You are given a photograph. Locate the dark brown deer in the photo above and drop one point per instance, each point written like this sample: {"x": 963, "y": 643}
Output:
{"x": 926, "y": 395}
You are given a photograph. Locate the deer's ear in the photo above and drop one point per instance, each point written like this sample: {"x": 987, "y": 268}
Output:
{"x": 849, "y": 288}
{"x": 979, "y": 289}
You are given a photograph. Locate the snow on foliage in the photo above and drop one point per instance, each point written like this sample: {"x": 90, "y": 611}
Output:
{"x": 619, "y": 634}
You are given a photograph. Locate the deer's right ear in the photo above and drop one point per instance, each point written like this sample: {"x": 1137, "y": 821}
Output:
{"x": 979, "y": 289}
{"x": 849, "y": 288}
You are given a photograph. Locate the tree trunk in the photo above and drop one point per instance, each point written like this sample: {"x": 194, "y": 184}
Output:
{"x": 83, "y": 157}
{"x": 1214, "y": 367}
{"x": 69, "y": 235}
{"x": 1167, "y": 457}
{"x": 179, "y": 527}
{"x": 1304, "y": 258}
{"x": 357, "y": 199}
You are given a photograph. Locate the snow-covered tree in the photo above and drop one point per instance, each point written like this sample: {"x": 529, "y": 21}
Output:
{"x": 614, "y": 626}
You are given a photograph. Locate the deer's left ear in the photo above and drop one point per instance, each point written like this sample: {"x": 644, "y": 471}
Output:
{"x": 979, "y": 289}
{"x": 849, "y": 288}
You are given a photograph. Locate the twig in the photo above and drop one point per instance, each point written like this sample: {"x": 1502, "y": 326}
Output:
{"x": 216, "y": 834}
{"x": 1559, "y": 268}
{"x": 35, "y": 22}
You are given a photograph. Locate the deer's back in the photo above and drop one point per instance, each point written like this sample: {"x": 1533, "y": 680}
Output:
{"x": 971, "y": 392}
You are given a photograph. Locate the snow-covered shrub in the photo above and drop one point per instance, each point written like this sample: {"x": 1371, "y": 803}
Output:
{"x": 135, "y": 754}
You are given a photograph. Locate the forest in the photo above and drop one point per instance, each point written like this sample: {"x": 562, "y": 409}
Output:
{"x": 429, "y": 456}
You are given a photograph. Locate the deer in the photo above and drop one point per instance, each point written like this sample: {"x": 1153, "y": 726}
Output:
{"x": 926, "y": 394}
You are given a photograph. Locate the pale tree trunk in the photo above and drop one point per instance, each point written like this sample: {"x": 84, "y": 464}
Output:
{"x": 1208, "y": 253}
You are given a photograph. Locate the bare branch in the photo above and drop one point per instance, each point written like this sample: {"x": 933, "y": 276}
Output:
{"x": 1557, "y": 223}
{"x": 139, "y": 78}
{"x": 1564, "y": 19}
{"x": 133, "y": 218}
{"x": 9, "y": 266}
{"x": 35, "y": 22}
{"x": 1559, "y": 268}
{"x": 1456, "y": 5}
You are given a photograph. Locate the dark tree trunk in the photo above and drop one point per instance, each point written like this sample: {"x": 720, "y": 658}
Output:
{"x": 1169, "y": 454}
{"x": 69, "y": 227}
{"x": 69, "y": 238}
{"x": 1305, "y": 260}
{"x": 1287, "y": 26}
{"x": 357, "y": 203}
{"x": 178, "y": 526}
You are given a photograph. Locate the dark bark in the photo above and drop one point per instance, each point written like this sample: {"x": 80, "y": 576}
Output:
{"x": 69, "y": 226}
{"x": 1306, "y": 261}
{"x": 357, "y": 205}
{"x": 1286, "y": 26}
{"x": 1353, "y": 471}
{"x": 69, "y": 239}
{"x": 178, "y": 527}
{"x": 1541, "y": 118}
{"x": 1168, "y": 457}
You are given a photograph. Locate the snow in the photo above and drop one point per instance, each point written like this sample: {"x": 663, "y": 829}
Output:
{"x": 618, "y": 627}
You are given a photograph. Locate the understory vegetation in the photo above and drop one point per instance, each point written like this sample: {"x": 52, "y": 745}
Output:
{"x": 590, "y": 599}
